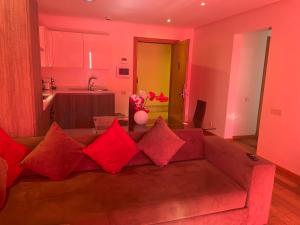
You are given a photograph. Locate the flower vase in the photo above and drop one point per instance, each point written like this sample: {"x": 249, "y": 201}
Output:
{"x": 141, "y": 117}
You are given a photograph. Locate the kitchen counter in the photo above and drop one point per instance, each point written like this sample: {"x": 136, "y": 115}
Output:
{"x": 49, "y": 95}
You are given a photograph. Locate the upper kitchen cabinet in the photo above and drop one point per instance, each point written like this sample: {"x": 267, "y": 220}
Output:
{"x": 43, "y": 46}
{"x": 97, "y": 51}
{"x": 66, "y": 49}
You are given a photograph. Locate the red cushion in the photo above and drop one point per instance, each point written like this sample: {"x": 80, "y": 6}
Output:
{"x": 113, "y": 149}
{"x": 13, "y": 153}
{"x": 56, "y": 156}
{"x": 160, "y": 143}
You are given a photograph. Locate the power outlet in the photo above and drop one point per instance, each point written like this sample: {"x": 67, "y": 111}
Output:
{"x": 276, "y": 112}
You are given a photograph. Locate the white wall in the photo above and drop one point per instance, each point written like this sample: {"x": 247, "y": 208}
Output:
{"x": 247, "y": 66}
{"x": 279, "y": 128}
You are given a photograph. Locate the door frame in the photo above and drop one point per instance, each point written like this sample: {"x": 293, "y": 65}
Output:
{"x": 267, "y": 54}
{"x": 136, "y": 40}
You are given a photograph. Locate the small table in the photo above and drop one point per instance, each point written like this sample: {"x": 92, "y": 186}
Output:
{"x": 103, "y": 122}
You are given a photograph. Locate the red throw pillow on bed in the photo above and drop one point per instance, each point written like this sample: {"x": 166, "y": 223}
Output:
{"x": 160, "y": 143}
{"x": 113, "y": 149}
{"x": 13, "y": 153}
{"x": 56, "y": 156}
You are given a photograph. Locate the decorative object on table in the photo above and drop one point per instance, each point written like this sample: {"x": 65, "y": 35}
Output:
{"x": 46, "y": 84}
{"x": 52, "y": 84}
{"x": 137, "y": 105}
{"x": 141, "y": 117}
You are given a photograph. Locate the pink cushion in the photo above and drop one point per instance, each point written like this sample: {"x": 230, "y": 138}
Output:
{"x": 13, "y": 153}
{"x": 113, "y": 149}
{"x": 160, "y": 143}
{"x": 193, "y": 147}
{"x": 56, "y": 156}
{"x": 3, "y": 178}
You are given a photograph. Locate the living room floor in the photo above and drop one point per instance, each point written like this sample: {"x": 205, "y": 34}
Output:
{"x": 285, "y": 208}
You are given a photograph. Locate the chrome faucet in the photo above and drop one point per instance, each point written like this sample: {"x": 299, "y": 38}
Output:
{"x": 91, "y": 83}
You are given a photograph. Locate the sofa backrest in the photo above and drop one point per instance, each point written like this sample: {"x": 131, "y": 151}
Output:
{"x": 191, "y": 150}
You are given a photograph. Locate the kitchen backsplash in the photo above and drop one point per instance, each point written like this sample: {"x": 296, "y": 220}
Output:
{"x": 74, "y": 77}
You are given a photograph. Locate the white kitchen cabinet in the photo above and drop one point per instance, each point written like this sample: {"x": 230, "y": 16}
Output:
{"x": 66, "y": 49}
{"x": 43, "y": 48}
{"x": 62, "y": 49}
{"x": 97, "y": 51}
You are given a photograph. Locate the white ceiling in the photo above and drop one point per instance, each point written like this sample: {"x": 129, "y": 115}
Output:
{"x": 187, "y": 13}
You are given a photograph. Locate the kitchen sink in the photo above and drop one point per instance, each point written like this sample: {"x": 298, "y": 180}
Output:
{"x": 85, "y": 89}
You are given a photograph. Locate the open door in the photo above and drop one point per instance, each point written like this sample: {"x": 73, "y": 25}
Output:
{"x": 263, "y": 85}
{"x": 180, "y": 53}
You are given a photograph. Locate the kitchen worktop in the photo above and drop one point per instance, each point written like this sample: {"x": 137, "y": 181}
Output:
{"x": 48, "y": 95}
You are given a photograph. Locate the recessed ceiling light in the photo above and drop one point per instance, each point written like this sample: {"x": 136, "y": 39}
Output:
{"x": 89, "y": 1}
{"x": 203, "y": 4}
{"x": 169, "y": 20}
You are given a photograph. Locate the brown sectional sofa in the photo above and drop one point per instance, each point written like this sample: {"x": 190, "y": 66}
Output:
{"x": 209, "y": 181}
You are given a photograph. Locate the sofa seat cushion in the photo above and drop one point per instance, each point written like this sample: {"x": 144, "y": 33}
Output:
{"x": 138, "y": 195}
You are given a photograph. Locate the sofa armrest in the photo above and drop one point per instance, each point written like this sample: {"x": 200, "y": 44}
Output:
{"x": 3, "y": 177}
{"x": 256, "y": 177}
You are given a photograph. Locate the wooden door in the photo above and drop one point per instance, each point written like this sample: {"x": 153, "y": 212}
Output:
{"x": 263, "y": 85}
{"x": 180, "y": 53}
{"x": 42, "y": 31}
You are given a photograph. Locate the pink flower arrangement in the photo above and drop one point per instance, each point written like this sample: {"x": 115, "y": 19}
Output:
{"x": 140, "y": 100}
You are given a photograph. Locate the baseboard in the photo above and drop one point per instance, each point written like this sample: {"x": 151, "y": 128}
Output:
{"x": 284, "y": 172}
{"x": 244, "y": 136}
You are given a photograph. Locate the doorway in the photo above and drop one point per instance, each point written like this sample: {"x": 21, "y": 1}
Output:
{"x": 160, "y": 65}
{"x": 153, "y": 74}
{"x": 247, "y": 81}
